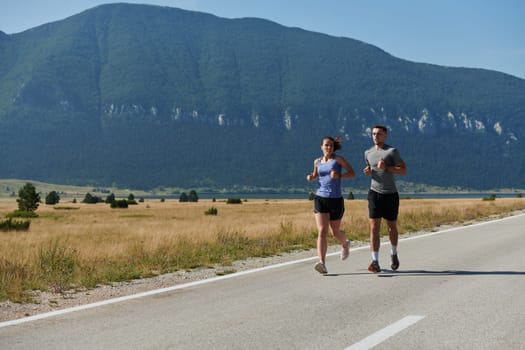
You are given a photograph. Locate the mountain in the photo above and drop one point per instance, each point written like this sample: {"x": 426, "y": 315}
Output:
{"x": 145, "y": 96}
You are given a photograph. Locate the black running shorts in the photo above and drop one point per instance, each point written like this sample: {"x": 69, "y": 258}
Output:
{"x": 334, "y": 206}
{"x": 383, "y": 205}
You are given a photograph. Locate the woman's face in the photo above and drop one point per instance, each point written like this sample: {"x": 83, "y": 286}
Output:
{"x": 327, "y": 147}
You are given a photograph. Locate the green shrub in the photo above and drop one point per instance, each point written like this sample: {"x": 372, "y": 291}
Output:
{"x": 52, "y": 198}
{"x": 110, "y": 198}
{"x": 234, "y": 201}
{"x": 66, "y": 208}
{"x": 22, "y": 214}
{"x": 90, "y": 199}
{"x": 211, "y": 211}
{"x": 193, "y": 197}
{"x": 492, "y": 197}
{"x": 14, "y": 225}
{"x": 28, "y": 199}
{"x": 120, "y": 203}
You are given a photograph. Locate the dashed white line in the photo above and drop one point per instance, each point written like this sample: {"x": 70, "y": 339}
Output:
{"x": 385, "y": 333}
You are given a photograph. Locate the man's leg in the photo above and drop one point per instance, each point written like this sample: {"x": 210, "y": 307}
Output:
{"x": 392, "y": 232}
{"x": 394, "y": 236}
{"x": 375, "y": 227}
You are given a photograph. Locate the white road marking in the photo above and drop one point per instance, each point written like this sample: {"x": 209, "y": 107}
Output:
{"x": 210, "y": 280}
{"x": 385, "y": 333}
{"x": 147, "y": 293}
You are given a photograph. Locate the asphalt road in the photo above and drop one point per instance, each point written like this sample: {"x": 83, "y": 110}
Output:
{"x": 456, "y": 289}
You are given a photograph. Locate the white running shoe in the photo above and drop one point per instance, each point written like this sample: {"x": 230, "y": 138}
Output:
{"x": 345, "y": 251}
{"x": 320, "y": 267}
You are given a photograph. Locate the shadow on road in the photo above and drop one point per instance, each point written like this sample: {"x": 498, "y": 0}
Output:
{"x": 388, "y": 273}
{"x": 409, "y": 273}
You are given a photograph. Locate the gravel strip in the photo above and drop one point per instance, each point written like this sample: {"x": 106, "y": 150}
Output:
{"x": 52, "y": 301}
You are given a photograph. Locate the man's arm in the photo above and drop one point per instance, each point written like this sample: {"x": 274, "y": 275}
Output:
{"x": 398, "y": 169}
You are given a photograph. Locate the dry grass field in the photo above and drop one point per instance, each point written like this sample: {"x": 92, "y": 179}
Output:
{"x": 81, "y": 245}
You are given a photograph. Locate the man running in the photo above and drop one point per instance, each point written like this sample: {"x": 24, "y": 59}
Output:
{"x": 383, "y": 162}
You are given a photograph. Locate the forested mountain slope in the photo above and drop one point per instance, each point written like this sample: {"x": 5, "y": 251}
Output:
{"x": 146, "y": 96}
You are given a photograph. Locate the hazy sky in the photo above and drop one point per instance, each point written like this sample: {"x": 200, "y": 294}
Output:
{"x": 462, "y": 33}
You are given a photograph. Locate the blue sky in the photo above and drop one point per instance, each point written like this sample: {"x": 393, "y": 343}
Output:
{"x": 486, "y": 34}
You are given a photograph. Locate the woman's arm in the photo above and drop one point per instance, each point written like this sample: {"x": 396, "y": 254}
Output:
{"x": 314, "y": 174}
{"x": 350, "y": 173}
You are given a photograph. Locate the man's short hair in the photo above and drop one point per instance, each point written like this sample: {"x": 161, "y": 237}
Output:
{"x": 382, "y": 127}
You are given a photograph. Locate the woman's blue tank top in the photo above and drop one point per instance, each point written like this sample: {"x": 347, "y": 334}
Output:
{"x": 329, "y": 187}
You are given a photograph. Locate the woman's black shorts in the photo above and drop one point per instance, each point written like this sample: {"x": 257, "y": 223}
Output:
{"x": 334, "y": 206}
{"x": 383, "y": 205}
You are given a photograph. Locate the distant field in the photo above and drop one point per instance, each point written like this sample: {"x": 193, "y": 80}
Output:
{"x": 9, "y": 189}
{"x": 82, "y": 245}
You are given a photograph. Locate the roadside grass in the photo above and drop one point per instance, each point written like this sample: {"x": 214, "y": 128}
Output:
{"x": 95, "y": 244}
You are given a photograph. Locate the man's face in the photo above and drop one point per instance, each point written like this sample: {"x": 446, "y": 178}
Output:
{"x": 379, "y": 136}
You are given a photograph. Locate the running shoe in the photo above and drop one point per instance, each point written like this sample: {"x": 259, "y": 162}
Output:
{"x": 345, "y": 251}
{"x": 320, "y": 267}
{"x": 395, "y": 262}
{"x": 374, "y": 267}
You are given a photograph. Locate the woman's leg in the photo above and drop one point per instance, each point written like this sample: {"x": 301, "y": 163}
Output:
{"x": 323, "y": 223}
{"x": 337, "y": 233}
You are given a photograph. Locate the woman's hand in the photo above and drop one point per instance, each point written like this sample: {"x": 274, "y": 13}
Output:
{"x": 335, "y": 175}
